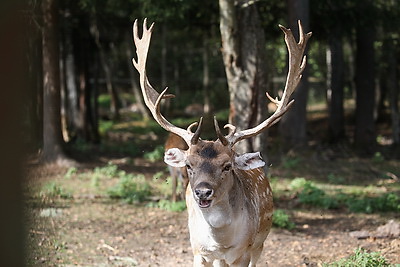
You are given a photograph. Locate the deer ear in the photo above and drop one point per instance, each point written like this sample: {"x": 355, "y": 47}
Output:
{"x": 249, "y": 161}
{"x": 175, "y": 157}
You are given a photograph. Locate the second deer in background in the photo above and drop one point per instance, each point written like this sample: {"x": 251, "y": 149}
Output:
{"x": 178, "y": 174}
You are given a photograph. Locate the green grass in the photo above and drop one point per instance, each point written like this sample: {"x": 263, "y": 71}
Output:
{"x": 110, "y": 170}
{"x": 168, "y": 205}
{"x": 361, "y": 258}
{"x": 52, "y": 190}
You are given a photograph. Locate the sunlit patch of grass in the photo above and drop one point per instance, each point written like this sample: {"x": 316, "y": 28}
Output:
{"x": 52, "y": 190}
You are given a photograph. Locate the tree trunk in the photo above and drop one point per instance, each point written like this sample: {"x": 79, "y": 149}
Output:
{"x": 107, "y": 68}
{"x": 390, "y": 79}
{"x": 293, "y": 124}
{"x": 335, "y": 92}
{"x": 206, "y": 79}
{"x": 243, "y": 51}
{"x": 70, "y": 84}
{"x": 364, "y": 138}
{"x": 16, "y": 76}
{"x": 52, "y": 135}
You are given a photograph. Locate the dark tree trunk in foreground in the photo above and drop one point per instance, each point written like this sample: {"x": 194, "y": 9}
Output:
{"x": 243, "y": 50}
{"x": 52, "y": 135}
{"x": 364, "y": 138}
{"x": 293, "y": 124}
{"x": 15, "y": 74}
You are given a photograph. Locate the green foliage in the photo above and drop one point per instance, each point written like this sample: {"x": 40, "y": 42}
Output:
{"x": 168, "y": 205}
{"x": 355, "y": 201}
{"x": 155, "y": 155}
{"x": 110, "y": 170}
{"x": 361, "y": 258}
{"x": 385, "y": 202}
{"x": 298, "y": 183}
{"x": 104, "y": 101}
{"x": 130, "y": 188}
{"x": 312, "y": 195}
{"x": 378, "y": 157}
{"x": 282, "y": 220}
{"x": 105, "y": 126}
{"x": 53, "y": 190}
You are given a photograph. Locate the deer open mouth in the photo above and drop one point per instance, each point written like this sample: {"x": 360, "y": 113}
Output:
{"x": 204, "y": 203}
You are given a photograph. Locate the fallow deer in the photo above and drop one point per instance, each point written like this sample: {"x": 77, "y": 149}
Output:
{"x": 229, "y": 198}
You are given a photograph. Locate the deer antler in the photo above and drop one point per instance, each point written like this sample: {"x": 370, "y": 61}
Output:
{"x": 151, "y": 97}
{"x": 297, "y": 63}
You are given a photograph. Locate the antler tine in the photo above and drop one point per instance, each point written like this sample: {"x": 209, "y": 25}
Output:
{"x": 151, "y": 97}
{"x": 297, "y": 63}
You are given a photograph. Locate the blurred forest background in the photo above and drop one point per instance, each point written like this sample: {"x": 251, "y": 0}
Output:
{"x": 85, "y": 49}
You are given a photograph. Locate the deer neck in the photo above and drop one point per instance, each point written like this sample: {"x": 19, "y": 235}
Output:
{"x": 225, "y": 211}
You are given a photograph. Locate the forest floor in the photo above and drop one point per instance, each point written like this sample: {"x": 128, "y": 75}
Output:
{"x": 72, "y": 221}
{"x": 86, "y": 228}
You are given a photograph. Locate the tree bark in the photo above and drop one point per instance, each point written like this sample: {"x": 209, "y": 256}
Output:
{"x": 364, "y": 138}
{"x": 52, "y": 135}
{"x": 335, "y": 92}
{"x": 243, "y": 50}
{"x": 107, "y": 68}
{"x": 70, "y": 83}
{"x": 390, "y": 80}
{"x": 17, "y": 79}
{"x": 293, "y": 124}
{"x": 206, "y": 79}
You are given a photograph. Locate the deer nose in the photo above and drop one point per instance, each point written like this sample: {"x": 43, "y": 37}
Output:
{"x": 203, "y": 190}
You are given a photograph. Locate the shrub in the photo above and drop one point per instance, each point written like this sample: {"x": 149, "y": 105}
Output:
{"x": 282, "y": 220}
{"x": 386, "y": 202}
{"x": 155, "y": 155}
{"x": 110, "y": 170}
{"x": 361, "y": 258}
{"x": 130, "y": 188}
{"x": 298, "y": 183}
{"x": 312, "y": 195}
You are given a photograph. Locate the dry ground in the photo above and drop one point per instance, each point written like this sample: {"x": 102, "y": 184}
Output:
{"x": 92, "y": 230}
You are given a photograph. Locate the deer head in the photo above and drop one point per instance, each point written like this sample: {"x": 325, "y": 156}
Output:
{"x": 206, "y": 160}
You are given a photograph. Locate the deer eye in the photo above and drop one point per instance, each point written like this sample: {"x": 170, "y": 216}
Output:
{"x": 188, "y": 166}
{"x": 227, "y": 167}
